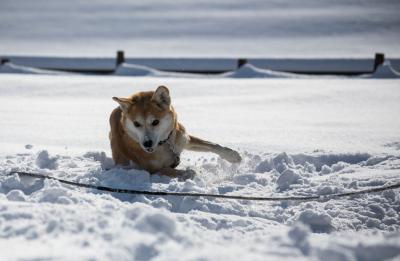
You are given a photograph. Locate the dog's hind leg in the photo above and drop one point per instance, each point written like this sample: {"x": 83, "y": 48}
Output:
{"x": 197, "y": 144}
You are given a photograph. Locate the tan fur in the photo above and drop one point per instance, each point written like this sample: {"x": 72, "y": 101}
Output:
{"x": 126, "y": 150}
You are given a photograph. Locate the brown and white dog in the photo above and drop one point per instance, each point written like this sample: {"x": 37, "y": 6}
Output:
{"x": 145, "y": 133}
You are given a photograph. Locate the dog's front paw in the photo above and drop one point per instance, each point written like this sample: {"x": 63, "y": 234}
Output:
{"x": 231, "y": 155}
{"x": 186, "y": 174}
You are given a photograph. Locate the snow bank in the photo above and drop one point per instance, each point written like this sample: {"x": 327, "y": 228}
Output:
{"x": 135, "y": 70}
{"x": 385, "y": 71}
{"x": 13, "y": 68}
{"x": 250, "y": 71}
{"x": 126, "y": 69}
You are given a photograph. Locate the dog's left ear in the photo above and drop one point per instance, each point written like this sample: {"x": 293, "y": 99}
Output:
{"x": 161, "y": 97}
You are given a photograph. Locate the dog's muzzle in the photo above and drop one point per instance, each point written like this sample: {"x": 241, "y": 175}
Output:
{"x": 148, "y": 146}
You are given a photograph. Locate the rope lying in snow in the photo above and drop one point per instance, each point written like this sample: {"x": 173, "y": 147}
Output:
{"x": 189, "y": 194}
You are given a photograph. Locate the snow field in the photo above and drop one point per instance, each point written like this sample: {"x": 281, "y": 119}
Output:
{"x": 297, "y": 137}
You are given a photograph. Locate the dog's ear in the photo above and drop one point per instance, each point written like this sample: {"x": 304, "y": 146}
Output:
{"x": 124, "y": 103}
{"x": 161, "y": 97}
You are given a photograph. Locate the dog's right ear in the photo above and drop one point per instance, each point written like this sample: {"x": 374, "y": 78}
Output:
{"x": 161, "y": 97}
{"x": 124, "y": 103}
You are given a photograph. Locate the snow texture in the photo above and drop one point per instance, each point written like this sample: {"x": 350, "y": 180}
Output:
{"x": 300, "y": 137}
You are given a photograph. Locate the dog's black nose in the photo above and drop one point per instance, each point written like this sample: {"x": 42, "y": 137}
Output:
{"x": 148, "y": 143}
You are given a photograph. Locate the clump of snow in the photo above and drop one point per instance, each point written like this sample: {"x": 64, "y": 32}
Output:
{"x": 318, "y": 222}
{"x": 280, "y": 163}
{"x": 287, "y": 178}
{"x": 325, "y": 170}
{"x": 106, "y": 162}
{"x": 339, "y": 166}
{"x": 375, "y": 160}
{"x": 44, "y": 161}
{"x": 251, "y": 71}
{"x": 385, "y": 71}
{"x": 16, "y": 195}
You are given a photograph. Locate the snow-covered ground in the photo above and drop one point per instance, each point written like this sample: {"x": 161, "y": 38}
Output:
{"x": 304, "y": 136}
{"x": 298, "y": 135}
{"x": 206, "y": 28}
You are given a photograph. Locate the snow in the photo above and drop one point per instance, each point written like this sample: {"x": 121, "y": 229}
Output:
{"x": 299, "y": 136}
{"x": 250, "y": 71}
{"x": 256, "y": 28}
{"x": 14, "y": 68}
{"x": 385, "y": 71}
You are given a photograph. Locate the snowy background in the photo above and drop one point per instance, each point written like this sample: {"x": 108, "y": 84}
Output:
{"x": 298, "y": 135}
{"x": 156, "y": 28}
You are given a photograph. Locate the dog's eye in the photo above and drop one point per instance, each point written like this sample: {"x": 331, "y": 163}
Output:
{"x": 155, "y": 122}
{"x": 137, "y": 124}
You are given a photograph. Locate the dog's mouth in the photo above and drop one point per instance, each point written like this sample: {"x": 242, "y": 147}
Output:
{"x": 148, "y": 150}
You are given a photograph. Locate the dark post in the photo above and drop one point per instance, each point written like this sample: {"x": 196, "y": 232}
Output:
{"x": 3, "y": 60}
{"x": 379, "y": 59}
{"x": 120, "y": 57}
{"x": 241, "y": 62}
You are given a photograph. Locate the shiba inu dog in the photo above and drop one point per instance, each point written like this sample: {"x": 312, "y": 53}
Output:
{"x": 145, "y": 132}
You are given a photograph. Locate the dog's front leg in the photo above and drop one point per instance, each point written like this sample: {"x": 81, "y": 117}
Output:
{"x": 170, "y": 172}
{"x": 226, "y": 153}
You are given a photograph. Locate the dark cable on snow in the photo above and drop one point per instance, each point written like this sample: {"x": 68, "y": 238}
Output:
{"x": 189, "y": 194}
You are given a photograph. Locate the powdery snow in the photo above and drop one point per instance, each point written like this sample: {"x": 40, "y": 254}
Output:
{"x": 297, "y": 137}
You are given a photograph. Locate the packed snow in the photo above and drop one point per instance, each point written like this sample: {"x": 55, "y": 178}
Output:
{"x": 296, "y": 136}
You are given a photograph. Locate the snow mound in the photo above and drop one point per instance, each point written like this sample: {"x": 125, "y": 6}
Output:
{"x": 385, "y": 71}
{"x": 126, "y": 69}
{"x": 135, "y": 70}
{"x": 14, "y": 68}
{"x": 251, "y": 71}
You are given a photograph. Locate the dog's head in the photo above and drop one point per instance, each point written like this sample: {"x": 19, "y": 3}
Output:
{"x": 148, "y": 117}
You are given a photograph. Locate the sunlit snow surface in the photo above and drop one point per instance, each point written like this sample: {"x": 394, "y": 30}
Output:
{"x": 297, "y": 137}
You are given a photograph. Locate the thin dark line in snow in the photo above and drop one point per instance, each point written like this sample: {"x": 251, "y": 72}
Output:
{"x": 190, "y": 194}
